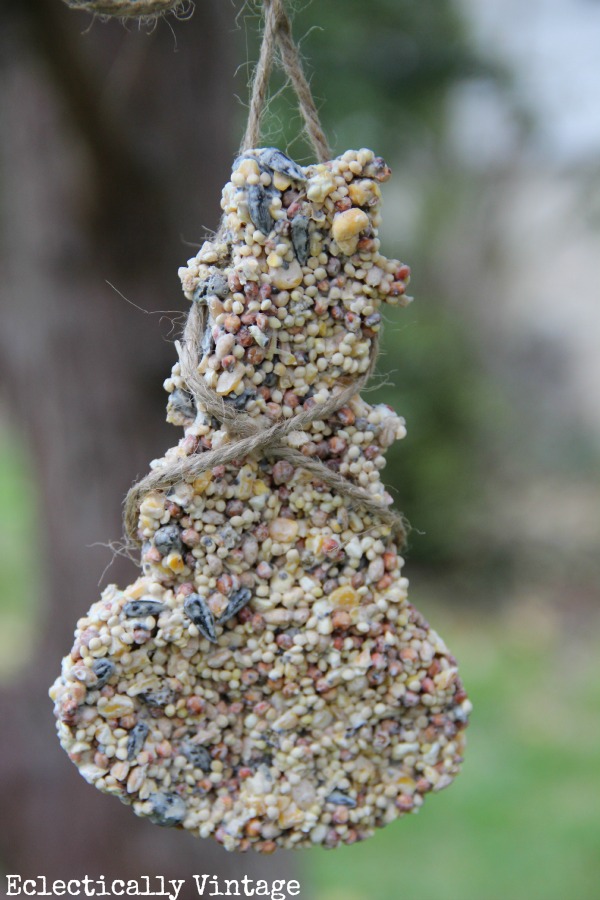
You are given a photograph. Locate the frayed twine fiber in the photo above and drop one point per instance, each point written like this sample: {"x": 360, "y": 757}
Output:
{"x": 277, "y": 39}
{"x": 128, "y": 8}
{"x": 248, "y": 437}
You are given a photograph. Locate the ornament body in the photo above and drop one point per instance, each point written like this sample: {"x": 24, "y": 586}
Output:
{"x": 266, "y": 681}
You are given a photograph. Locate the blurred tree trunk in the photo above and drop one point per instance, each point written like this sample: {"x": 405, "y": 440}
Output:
{"x": 114, "y": 145}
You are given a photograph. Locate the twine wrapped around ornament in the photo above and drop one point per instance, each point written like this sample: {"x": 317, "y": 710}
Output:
{"x": 249, "y": 437}
{"x": 129, "y": 8}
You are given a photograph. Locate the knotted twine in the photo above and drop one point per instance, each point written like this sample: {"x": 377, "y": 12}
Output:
{"x": 247, "y": 436}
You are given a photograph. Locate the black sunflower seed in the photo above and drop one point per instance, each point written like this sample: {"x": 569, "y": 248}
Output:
{"x": 237, "y": 601}
{"x": 198, "y": 756}
{"x": 167, "y": 810}
{"x": 158, "y": 699}
{"x": 240, "y": 401}
{"x": 167, "y": 539}
{"x": 300, "y": 239}
{"x": 135, "y": 741}
{"x": 259, "y": 201}
{"x": 215, "y": 286}
{"x": 279, "y": 162}
{"x": 183, "y": 403}
{"x": 142, "y": 608}
{"x": 196, "y": 608}
{"x": 104, "y": 669}
{"x": 341, "y": 799}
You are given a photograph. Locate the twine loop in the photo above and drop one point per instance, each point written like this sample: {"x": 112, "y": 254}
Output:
{"x": 277, "y": 37}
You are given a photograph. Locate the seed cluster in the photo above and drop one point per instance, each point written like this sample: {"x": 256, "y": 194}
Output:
{"x": 265, "y": 681}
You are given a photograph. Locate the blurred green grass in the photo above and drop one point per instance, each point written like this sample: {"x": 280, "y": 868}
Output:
{"x": 19, "y": 552}
{"x": 521, "y": 822}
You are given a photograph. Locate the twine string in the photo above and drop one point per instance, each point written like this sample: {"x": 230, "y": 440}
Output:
{"x": 250, "y": 437}
{"x": 247, "y": 436}
{"x": 277, "y": 36}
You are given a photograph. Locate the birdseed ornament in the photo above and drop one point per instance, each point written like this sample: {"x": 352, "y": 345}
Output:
{"x": 266, "y": 681}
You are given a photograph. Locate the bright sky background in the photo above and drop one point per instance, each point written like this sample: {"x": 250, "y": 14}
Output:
{"x": 553, "y": 48}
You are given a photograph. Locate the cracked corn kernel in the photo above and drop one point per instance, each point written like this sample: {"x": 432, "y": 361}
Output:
{"x": 348, "y": 224}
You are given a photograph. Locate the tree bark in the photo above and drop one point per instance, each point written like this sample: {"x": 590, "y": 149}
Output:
{"x": 114, "y": 145}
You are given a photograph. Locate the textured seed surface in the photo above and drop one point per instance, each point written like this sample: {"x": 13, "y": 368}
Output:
{"x": 274, "y": 686}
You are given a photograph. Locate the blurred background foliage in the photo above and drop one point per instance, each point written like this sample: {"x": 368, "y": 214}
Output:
{"x": 380, "y": 71}
{"x": 498, "y": 474}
